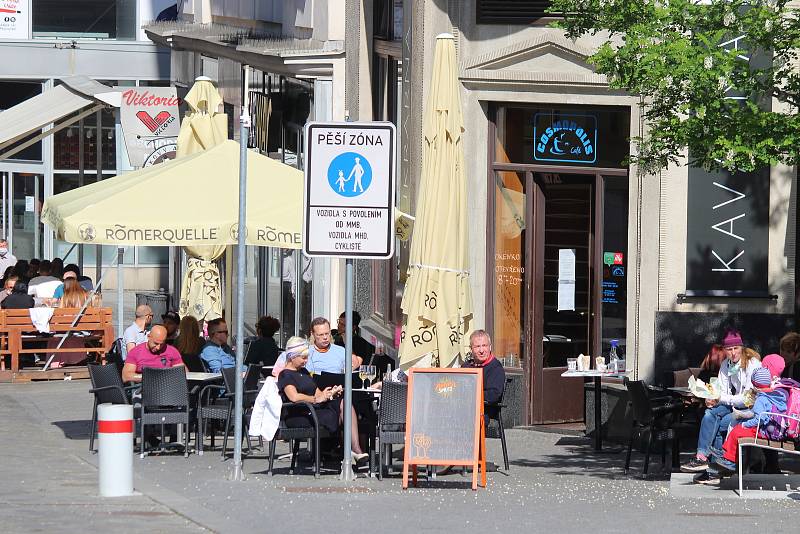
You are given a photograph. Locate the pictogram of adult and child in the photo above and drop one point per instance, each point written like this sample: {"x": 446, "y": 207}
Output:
{"x": 349, "y": 174}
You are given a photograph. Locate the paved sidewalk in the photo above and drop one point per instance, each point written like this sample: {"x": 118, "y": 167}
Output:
{"x": 555, "y": 484}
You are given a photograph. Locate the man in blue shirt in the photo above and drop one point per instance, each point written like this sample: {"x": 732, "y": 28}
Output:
{"x": 323, "y": 356}
{"x": 217, "y": 353}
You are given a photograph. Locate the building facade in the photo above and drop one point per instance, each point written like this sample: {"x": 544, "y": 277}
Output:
{"x": 48, "y": 40}
{"x": 572, "y": 247}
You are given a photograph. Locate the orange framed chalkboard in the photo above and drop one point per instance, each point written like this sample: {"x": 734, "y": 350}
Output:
{"x": 444, "y": 421}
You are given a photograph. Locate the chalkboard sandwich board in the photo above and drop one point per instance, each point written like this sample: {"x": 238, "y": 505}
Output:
{"x": 444, "y": 421}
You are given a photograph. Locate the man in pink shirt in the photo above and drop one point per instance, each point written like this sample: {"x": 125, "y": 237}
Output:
{"x": 153, "y": 353}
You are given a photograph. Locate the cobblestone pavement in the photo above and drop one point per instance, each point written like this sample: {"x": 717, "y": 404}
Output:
{"x": 555, "y": 484}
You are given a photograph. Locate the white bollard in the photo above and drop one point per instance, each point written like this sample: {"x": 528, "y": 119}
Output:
{"x": 115, "y": 450}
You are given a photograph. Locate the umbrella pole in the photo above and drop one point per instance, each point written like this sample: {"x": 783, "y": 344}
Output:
{"x": 244, "y": 122}
{"x": 347, "y": 470}
{"x": 120, "y": 297}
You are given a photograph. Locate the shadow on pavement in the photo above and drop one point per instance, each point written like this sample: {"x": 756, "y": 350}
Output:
{"x": 79, "y": 429}
{"x": 577, "y": 457}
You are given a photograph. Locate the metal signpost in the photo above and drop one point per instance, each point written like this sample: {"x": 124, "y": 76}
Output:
{"x": 348, "y": 212}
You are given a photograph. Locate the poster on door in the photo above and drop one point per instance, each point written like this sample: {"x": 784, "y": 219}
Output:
{"x": 14, "y": 19}
{"x": 150, "y": 124}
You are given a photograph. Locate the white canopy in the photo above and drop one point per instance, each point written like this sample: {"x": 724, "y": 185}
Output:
{"x": 77, "y": 93}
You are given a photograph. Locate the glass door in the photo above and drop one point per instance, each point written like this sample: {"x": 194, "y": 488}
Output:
{"x": 564, "y": 289}
{"x": 26, "y": 231}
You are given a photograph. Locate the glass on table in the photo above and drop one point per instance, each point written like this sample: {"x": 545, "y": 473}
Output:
{"x": 372, "y": 372}
{"x": 362, "y": 374}
{"x": 572, "y": 364}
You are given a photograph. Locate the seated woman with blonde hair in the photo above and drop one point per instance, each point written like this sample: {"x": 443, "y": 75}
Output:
{"x": 296, "y": 385}
{"x": 74, "y": 295}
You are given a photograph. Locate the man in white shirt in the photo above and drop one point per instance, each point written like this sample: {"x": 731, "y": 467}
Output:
{"x": 6, "y": 258}
{"x": 44, "y": 285}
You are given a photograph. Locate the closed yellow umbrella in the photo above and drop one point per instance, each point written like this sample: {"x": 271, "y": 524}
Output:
{"x": 437, "y": 299}
{"x": 203, "y": 127}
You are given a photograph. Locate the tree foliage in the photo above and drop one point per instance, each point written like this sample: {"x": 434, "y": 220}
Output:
{"x": 709, "y": 72}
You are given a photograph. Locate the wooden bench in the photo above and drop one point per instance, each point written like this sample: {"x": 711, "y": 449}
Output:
{"x": 788, "y": 447}
{"x": 17, "y": 331}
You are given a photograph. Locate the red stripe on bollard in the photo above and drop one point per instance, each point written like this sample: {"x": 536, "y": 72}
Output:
{"x": 115, "y": 427}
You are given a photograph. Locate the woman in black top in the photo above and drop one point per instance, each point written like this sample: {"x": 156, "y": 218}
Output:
{"x": 264, "y": 350}
{"x": 19, "y": 298}
{"x": 296, "y": 385}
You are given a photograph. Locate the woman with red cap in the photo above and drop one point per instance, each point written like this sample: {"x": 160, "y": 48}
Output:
{"x": 734, "y": 379}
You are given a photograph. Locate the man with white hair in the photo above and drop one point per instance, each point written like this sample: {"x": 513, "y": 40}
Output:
{"x": 494, "y": 377}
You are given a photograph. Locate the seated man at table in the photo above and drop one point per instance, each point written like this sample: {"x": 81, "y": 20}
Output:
{"x": 217, "y": 353}
{"x": 324, "y": 357}
{"x": 361, "y": 347}
{"x": 153, "y": 353}
{"x": 494, "y": 377}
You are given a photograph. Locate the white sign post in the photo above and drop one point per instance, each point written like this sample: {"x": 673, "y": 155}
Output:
{"x": 349, "y": 204}
{"x": 349, "y": 190}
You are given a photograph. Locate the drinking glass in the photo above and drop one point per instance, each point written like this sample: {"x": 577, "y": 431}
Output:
{"x": 362, "y": 374}
{"x": 372, "y": 372}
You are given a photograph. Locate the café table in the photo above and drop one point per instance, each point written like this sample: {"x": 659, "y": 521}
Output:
{"x": 196, "y": 377}
{"x": 597, "y": 376}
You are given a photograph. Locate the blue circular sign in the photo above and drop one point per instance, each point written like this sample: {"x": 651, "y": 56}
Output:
{"x": 349, "y": 174}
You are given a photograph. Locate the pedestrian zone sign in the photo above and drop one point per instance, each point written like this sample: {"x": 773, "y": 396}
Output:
{"x": 349, "y": 189}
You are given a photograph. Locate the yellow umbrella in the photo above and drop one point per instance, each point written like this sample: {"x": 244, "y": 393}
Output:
{"x": 188, "y": 201}
{"x": 202, "y": 128}
{"x": 437, "y": 298}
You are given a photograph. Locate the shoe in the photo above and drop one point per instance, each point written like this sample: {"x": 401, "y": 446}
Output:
{"x": 446, "y": 471}
{"x": 695, "y": 465}
{"x": 707, "y": 479}
{"x": 358, "y": 457}
{"x": 724, "y": 466}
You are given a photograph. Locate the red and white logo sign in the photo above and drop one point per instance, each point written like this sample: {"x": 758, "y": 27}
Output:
{"x": 153, "y": 124}
{"x": 149, "y": 118}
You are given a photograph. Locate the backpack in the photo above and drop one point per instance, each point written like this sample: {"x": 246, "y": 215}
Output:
{"x": 783, "y": 428}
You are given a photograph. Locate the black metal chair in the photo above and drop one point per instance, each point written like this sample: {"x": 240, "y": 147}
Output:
{"x": 107, "y": 387}
{"x": 658, "y": 417}
{"x": 114, "y": 355}
{"x": 494, "y": 412}
{"x": 391, "y": 421}
{"x": 165, "y": 401}
{"x": 297, "y": 434}
{"x": 213, "y": 407}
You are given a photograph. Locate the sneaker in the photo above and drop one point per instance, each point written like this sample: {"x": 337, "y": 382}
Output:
{"x": 707, "y": 479}
{"x": 695, "y": 465}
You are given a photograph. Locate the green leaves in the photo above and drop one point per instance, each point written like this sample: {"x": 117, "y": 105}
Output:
{"x": 718, "y": 77}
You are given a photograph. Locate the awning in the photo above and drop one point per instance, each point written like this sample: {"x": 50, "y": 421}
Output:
{"x": 58, "y": 106}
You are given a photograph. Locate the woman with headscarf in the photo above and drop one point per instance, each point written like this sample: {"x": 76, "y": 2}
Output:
{"x": 295, "y": 385}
